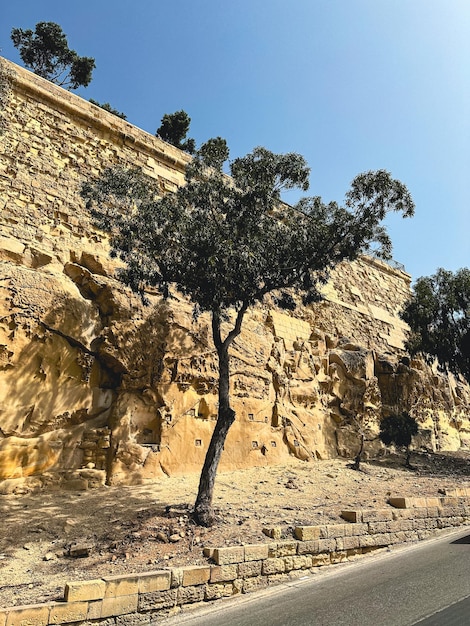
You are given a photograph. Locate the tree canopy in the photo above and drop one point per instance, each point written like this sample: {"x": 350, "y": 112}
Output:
{"x": 226, "y": 242}
{"x": 438, "y": 314}
{"x": 399, "y": 430}
{"x": 46, "y": 52}
{"x": 174, "y": 128}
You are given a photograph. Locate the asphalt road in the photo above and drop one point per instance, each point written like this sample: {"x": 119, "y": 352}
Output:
{"x": 427, "y": 583}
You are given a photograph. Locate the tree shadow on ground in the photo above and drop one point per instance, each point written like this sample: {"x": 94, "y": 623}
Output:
{"x": 439, "y": 464}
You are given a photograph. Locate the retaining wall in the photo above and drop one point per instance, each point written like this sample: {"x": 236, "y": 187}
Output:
{"x": 139, "y": 598}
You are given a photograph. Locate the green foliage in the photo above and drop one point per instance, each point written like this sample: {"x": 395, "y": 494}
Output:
{"x": 45, "y": 51}
{"x": 174, "y": 128}
{"x": 438, "y": 314}
{"x": 399, "y": 430}
{"x": 107, "y": 107}
{"x": 227, "y": 242}
{"x": 214, "y": 153}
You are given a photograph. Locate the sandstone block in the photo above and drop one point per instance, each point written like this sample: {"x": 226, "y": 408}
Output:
{"x": 446, "y": 501}
{"x": 400, "y": 502}
{"x": 256, "y": 552}
{"x": 249, "y": 568}
{"x": 63, "y": 612}
{"x": 367, "y": 541}
{"x": 332, "y": 531}
{"x": 121, "y": 586}
{"x": 3, "y": 617}
{"x": 378, "y": 527}
{"x": 119, "y": 605}
{"x": 320, "y": 559}
{"x": 273, "y": 566}
{"x": 190, "y": 595}
{"x": 157, "y": 600}
{"x": 85, "y": 590}
{"x": 357, "y": 529}
{"x": 209, "y": 552}
{"x": 274, "y": 533}
{"x": 326, "y": 545}
{"x": 282, "y": 548}
{"x": 352, "y": 516}
{"x": 307, "y": 533}
{"x": 347, "y": 543}
{"x": 275, "y": 579}
{"x": 218, "y": 590}
{"x": 176, "y": 577}
{"x": 376, "y": 515}
{"x": 301, "y": 561}
{"x": 223, "y": 573}
{"x": 94, "y": 609}
{"x": 237, "y": 586}
{"x": 195, "y": 575}
{"x": 419, "y": 523}
{"x": 226, "y": 556}
{"x": 307, "y": 547}
{"x": 459, "y": 492}
{"x": 28, "y": 615}
{"x": 338, "y": 557}
{"x": 255, "y": 583}
{"x": 154, "y": 581}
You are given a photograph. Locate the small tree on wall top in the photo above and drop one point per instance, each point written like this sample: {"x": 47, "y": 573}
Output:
{"x": 227, "y": 242}
{"x": 46, "y": 52}
{"x": 174, "y": 128}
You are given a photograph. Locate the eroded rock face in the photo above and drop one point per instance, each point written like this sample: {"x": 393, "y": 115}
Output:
{"x": 96, "y": 386}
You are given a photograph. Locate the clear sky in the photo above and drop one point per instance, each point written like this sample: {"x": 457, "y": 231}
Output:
{"x": 352, "y": 85}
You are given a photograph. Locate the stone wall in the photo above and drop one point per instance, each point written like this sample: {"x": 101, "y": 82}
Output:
{"x": 143, "y": 598}
{"x": 94, "y": 386}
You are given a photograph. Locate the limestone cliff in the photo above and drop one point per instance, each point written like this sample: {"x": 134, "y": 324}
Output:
{"x": 95, "y": 386}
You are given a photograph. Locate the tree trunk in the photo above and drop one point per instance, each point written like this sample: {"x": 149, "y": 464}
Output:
{"x": 408, "y": 459}
{"x": 358, "y": 457}
{"x": 203, "y": 513}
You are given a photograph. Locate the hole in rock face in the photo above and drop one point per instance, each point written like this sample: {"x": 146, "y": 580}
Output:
{"x": 198, "y": 443}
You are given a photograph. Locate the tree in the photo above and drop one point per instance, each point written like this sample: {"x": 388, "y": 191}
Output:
{"x": 227, "y": 242}
{"x": 107, "y": 107}
{"x": 46, "y": 52}
{"x": 438, "y": 314}
{"x": 174, "y": 128}
{"x": 399, "y": 430}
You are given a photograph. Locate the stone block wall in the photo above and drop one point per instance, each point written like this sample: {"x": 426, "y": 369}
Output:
{"x": 142, "y": 598}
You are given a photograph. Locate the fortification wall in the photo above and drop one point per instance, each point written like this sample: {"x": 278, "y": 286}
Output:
{"x": 95, "y": 386}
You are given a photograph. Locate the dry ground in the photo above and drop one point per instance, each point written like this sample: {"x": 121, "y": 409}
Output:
{"x": 131, "y": 529}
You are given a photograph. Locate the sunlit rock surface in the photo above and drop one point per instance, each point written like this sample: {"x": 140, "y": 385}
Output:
{"x": 95, "y": 386}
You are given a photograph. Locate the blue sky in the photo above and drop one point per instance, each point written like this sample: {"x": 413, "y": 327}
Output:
{"x": 352, "y": 85}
